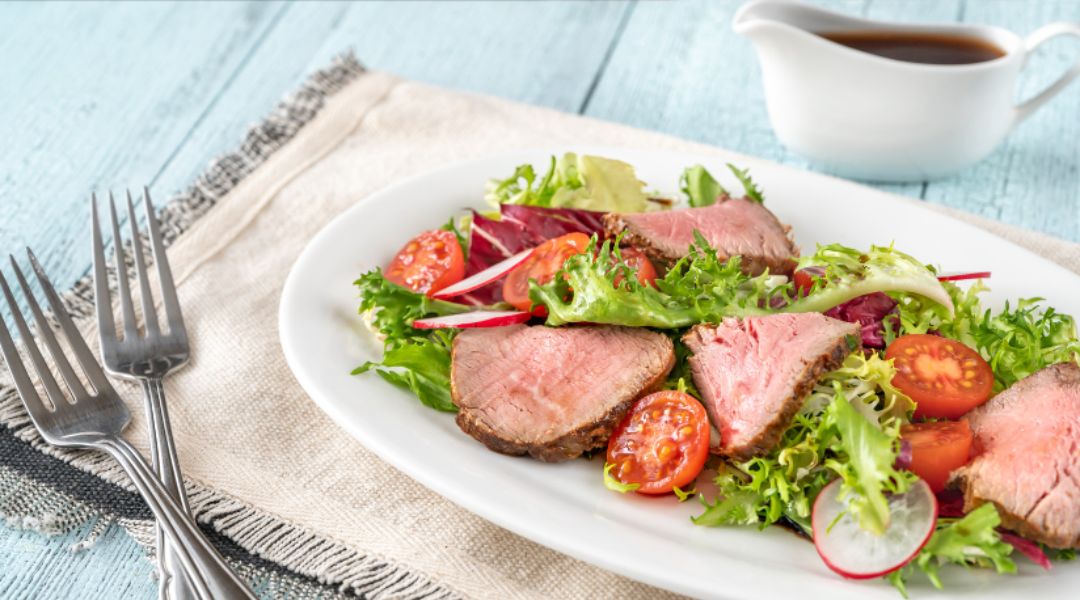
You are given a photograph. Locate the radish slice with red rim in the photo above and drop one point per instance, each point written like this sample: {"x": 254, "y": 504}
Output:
{"x": 856, "y": 553}
{"x": 964, "y": 276}
{"x": 477, "y": 318}
{"x": 488, "y": 275}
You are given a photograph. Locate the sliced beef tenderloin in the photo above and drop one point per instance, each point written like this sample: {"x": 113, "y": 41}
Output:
{"x": 1028, "y": 461}
{"x": 733, "y": 226}
{"x": 755, "y": 373}
{"x": 553, "y": 393}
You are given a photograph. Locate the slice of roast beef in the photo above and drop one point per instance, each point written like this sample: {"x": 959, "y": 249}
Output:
{"x": 1028, "y": 461}
{"x": 733, "y": 226}
{"x": 550, "y": 392}
{"x": 755, "y": 373}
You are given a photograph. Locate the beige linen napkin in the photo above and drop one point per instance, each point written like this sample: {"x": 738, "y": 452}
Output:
{"x": 243, "y": 425}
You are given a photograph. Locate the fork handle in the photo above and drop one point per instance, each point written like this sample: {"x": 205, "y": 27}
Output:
{"x": 209, "y": 573}
{"x": 175, "y": 583}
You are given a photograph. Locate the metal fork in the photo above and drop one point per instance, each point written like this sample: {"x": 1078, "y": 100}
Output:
{"x": 93, "y": 418}
{"x": 145, "y": 358}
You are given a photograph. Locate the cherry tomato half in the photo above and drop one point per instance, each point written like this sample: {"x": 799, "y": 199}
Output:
{"x": 428, "y": 263}
{"x": 937, "y": 449}
{"x": 804, "y": 279}
{"x": 944, "y": 377}
{"x": 542, "y": 265}
{"x": 639, "y": 264}
{"x": 661, "y": 443}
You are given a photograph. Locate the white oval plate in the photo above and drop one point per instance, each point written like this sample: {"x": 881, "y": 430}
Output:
{"x": 565, "y": 506}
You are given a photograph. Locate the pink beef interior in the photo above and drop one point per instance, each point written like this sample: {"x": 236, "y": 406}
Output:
{"x": 734, "y": 227}
{"x": 535, "y": 384}
{"x": 747, "y": 371}
{"x": 1029, "y": 461}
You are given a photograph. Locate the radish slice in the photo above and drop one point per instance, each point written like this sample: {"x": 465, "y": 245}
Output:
{"x": 859, "y": 554}
{"x": 964, "y": 276}
{"x": 477, "y": 318}
{"x": 479, "y": 280}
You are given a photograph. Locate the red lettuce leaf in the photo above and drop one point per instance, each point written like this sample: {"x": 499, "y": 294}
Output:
{"x": 1026, "y": 547}
{"x": 520, "y": 228}
{"x": 869, "y": 312}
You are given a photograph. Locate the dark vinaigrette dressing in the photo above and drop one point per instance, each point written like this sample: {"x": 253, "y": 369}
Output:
{"x": 926, "y": 48}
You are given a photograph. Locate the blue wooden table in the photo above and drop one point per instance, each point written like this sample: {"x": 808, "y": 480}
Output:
{"x": 105, "y": 96}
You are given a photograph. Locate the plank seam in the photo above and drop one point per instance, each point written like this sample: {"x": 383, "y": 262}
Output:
{"x": 244, "y": 61}
{"x": 619, "y": 29}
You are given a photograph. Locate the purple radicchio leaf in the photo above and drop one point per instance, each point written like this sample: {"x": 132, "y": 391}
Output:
{"x": 520, "y": 228}
{"x": 869, "y": 312}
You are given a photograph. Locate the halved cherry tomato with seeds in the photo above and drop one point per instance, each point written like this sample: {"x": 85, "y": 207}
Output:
{"x": 428, "y": 263}
{"x": 542, "y": 265}
{"x": 944, "y": 377}
{"x": 662, "y": 443}
{"x": 937, "y": 449}
{"x": 639, "y": 264}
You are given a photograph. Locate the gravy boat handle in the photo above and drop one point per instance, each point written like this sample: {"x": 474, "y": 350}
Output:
{"x": 1033, "y": 41}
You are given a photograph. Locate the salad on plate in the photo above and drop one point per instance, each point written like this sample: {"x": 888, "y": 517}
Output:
{"x": 859, "y": 396}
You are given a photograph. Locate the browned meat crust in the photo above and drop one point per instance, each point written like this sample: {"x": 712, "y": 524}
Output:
{"x": 571, "y": 445}
{"x": 804, "y": 384}
{"x": 614, "y": 225}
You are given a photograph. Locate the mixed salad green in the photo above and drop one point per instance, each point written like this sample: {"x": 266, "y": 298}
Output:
{"x": 849, "y": 427}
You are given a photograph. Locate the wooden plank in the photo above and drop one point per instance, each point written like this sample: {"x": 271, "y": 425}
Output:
{"x": 1033, "y": 179}
{"x": 545, "y": 54}
{"x": 93, "y": 98}
{"x": 36, "y": 566}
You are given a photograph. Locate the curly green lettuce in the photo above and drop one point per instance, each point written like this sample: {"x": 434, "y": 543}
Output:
{"x": 970, "y": 541}
{"x": 1016, "y": 341}
{"x": 703, "y": 287}
{"x": 848, "y": 427}
{"x": 573, "y": 181}
{"x": 391, "y": 309}
{"x": 413, "y": 359}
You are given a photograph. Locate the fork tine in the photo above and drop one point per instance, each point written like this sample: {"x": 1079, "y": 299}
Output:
{"x": 75, "y": 339}
{"x": 102, "y": 298}
{"x": 149, "y": 314}
{"x": 126, "y": 308}
{"x": 26, "y": 386}
{"x": 23, "y": 384}
{"x": 45, "y": 334}
{"x": 168, "y": 289}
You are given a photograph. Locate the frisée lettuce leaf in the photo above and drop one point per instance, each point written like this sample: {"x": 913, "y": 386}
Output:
{"x": 971, "y": 541}
{"x": 703, "y": 287}
{"x": 700, "y": 287}
{"x": 391, "y": 309}
{"x": 413, "y": 359}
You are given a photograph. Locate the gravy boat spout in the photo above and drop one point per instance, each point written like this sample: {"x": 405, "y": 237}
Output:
{"x": 866, "y": 116}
